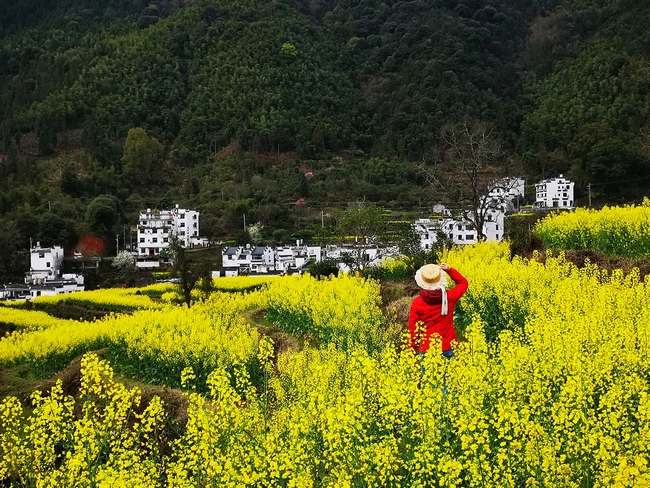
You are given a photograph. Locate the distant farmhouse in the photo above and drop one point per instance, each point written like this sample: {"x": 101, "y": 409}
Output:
{"x": 504, "y": 195}
{"x": 155, "y": 228}
{"x": 45, "y": 276}
{"x": 460, "y": 231}
{"x": 371, "y": 255}
{"x": 244, "y": 260}
{"x": 554, "y": 193}
{"x": 247, "y": 260}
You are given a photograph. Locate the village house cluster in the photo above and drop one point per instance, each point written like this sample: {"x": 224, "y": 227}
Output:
{"x": 155, "y": 229}
{"x": 504, "y": 196}
{"x": 243, "y": 260}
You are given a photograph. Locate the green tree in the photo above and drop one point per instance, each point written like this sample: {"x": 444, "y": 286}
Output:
{"x": 10, "y": 244}
{"x": 103, "y": 216}
{"x": 409, "y": 244}
{"x": 142, "y": 155}
{"x": 206, "y": 283}
{"x": 360, "y": 227}
{"x": 183, "y": 268}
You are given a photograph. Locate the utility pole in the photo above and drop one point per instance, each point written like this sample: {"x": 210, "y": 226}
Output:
{"x": 589, "y": 188}
{"x": 244, "y": 222}
{"x": 117, "y": 242}
{"x": 322, "y": 218}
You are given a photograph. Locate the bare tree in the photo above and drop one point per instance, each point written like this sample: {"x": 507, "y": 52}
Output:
{"x": 644, "y": 141}
{"x": 463, "y": 172}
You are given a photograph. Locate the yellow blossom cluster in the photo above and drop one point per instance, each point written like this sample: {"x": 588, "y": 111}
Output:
{"x": 344, "y": 309}
{"x": 155, "y": 344}
{"x": 549, "y": 387}
{"x": 615, "y": 231}
{"x": 242, "y": 283}
{"x": 29, "y": 319}
{"x": 105, "y": 442}
{"x": 392, "y": 269}
{"x": 116, "y": 299}
{"x": 231, "y": 284}
{"x": 561, "y": 399}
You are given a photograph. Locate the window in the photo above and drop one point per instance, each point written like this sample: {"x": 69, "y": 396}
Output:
{"x": 182, "y": 216}
{"x": 460, "y": 227}
{"x": 41, "y": 254}
{"x": 194, "y": 217}
{"x": 469, "y": 237}
{"x": 182, "y": 232}
{"x": 47, "y": 264}
{"x": 460, "y": 238}
{"x": 194, "y": 225}
{"x": 144, "y": 222}
{"x": 155, "y": 239}
{"x": 497, "y": 237}
{"x": 165, "y": 239}
{"x": 497, "y": 226}
{"x": 182, "y": 224}
{"x": 142, "y": 239}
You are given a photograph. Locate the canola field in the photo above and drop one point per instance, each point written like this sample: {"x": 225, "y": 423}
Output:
{"x": 615, "y": 231}
{"x": 549, "y": 388}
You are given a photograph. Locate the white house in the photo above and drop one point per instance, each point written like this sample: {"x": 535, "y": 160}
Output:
{"x": 554, "y": 193}
{"x": 459, "y": 230}
{"x": 155, "y": 228}
{"x": 295, "y": 258}
{"x": 508, "y": 187}
{"x": 45, "y": 263}
{"x": 45, "y": 276}
{"x": 247, "y": 259}
{"x": 372, "y": 255}
{"x": 238, "y": 260}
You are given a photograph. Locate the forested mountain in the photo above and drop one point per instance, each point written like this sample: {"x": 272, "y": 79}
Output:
{"x": 110, "y": 107}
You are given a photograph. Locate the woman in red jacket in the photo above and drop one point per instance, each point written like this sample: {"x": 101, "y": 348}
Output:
{"x": 432, "y": 311}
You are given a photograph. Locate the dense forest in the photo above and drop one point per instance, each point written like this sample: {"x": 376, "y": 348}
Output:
{"x": 283, "y": 110}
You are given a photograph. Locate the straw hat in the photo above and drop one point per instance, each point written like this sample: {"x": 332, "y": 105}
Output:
{"x": 431, "y": 277}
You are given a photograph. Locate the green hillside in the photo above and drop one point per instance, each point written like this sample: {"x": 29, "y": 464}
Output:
{"x": 235, "y": 101}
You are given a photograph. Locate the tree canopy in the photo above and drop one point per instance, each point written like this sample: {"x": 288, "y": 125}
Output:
{"x": 226, "y": 106}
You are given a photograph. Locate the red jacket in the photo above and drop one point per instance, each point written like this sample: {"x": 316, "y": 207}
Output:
{"x": 426, "y": 309}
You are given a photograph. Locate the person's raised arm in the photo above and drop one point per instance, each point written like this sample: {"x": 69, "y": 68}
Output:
{"x": 461, "y": 282}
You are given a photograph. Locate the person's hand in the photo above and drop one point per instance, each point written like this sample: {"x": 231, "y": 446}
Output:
{"x": 444, "y": 266}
